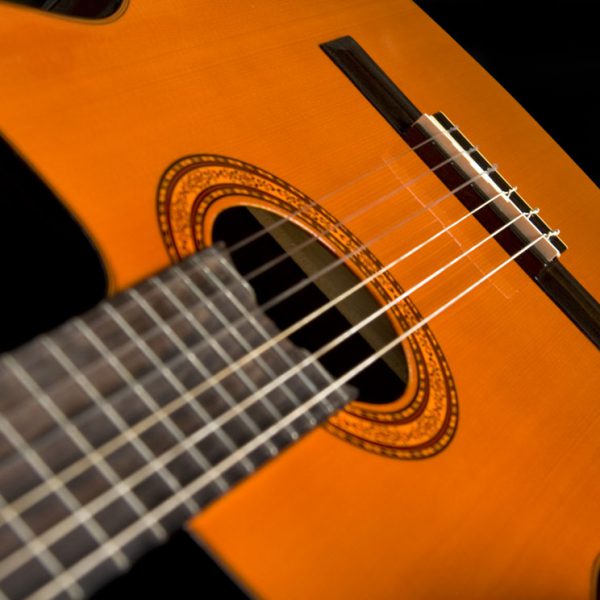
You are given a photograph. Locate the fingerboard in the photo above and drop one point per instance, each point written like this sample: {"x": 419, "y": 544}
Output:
{"x": 123, "y": 423}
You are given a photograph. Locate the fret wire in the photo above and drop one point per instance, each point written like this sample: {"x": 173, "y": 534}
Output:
{"x": 195, "y": 406}
{"x": 142, "y": 394}
{"x": 228, "y": 359}
{"x": 264, "y": 333}
{"x": 174, "y": 381}
{"x": 93, "y": 527}
{"x": 115, "y": 418}
{"x": 40, "y": 551}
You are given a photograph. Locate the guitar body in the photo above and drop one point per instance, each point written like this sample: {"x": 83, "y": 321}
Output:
{"x": 508, "y": 507}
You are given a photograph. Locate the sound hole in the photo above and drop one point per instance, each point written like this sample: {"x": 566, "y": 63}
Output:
{"x": 382, "y": 382}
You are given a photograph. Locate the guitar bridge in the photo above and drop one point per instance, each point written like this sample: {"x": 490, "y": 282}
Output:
{"x": 457, "y": 162}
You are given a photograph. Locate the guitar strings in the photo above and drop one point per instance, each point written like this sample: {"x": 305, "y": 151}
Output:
{"x": 258, "y": 310}
{"x": 447, "y": 228}
{"x": 94, "y": 558}
{"x": 57, "y": 530}
{"x": 55, "y": 387}
{"x": 251, "y": 275}
{"x": 311, "y": 203}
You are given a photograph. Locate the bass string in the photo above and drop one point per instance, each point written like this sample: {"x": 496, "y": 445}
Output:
{"x": 75, "y": 468}
{"x": 61, "y": 528}
{"x": 96, "y": 557}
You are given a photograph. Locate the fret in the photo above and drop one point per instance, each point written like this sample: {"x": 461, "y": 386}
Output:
{"x": 27, "y": 417}
{"x": 39, "y": 365}
{"x": 167, "y": 421}
{"x": 243, "y": 311}
{"x": 141, "y": 393}
{"x": 33, "y": 421}
{"x": 15, "y": 392}
{"x": 40, "y": 556}
{"x": 228, "y": 265}
{"x": 9, "y": 540}
{"x": 45, "y": 469}
{"x": 17, "y": 476}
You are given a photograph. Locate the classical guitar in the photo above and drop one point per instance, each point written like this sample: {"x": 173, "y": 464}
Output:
{"x": 351, "y": 342}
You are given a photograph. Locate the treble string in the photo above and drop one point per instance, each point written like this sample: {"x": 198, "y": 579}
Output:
{"x": 78, "y": 466}
{"x": 96, "y": 557}
{"x": 359, "y": 212}
{"x": 62, "y": 528}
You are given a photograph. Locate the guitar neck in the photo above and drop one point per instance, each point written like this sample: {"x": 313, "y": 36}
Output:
{"x": 127, "y": 421}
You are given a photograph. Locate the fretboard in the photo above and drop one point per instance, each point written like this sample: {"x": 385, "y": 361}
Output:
{"x": 121, "y": 424}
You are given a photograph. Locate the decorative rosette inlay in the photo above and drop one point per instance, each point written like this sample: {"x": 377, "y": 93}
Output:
{"x": 423, "y": 421}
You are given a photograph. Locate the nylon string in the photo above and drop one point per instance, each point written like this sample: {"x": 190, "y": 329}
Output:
{"x": 347, "y": 293}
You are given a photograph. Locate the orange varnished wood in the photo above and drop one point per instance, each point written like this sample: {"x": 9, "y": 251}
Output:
{"x": 510, "y": 508}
